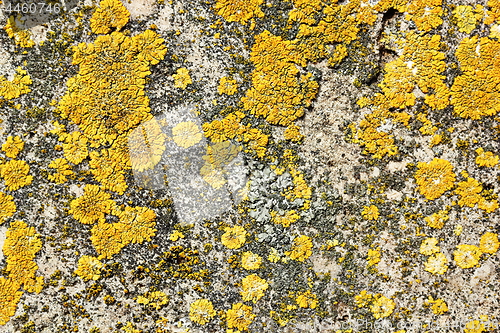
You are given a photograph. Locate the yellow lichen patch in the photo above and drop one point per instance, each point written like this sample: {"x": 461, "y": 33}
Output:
{"x": 373, "y": 256}
{"x": 489, "y": 243}
{"x": 292, "y": 133}
{"x": 107, "y": 238}
{"x": 486, "y": 158}
{"x": 301, "y": 248}
{"x": 493, "y": 14}
{"x": 467, "y": 256}
{"x": 92, "y": 206}
{"x": 17, "y": 87}
{"x": 289, "y": 217}
{"x": 421, "y": 64}
{"x": 495, "y": 31}
{"x": 108, "y": 167}
{"x": 434, "y": 178}
{"x": 489, "y": 206}
{"x": 182, "y": 78}
{"x": 437, "y": 220}
{"x": 213, "y": 176}
{"x": 187, "y": 134}
{"x": 154, "y": 299}
{"x": 21, "y": 37}
{"x": 15, "y": 174}
{"x": 300, "y": 189}
{"x": 7, "y": 207}
{"x": 382, "y": 307}
{"x": 89, "y": 268}
{"x": 250, "y": 260}
{"x": 63, "y": 170}
{"x": 110, "y": 14}
{"x": 467, "y": 17}
{"x": 474, "y": 326}
{"x": 10, "y": 295}
{"x": 438, "y": 306}
{"x": 370, "y": 212}
{"x": 240, "y": 316}
{"x": 239, "y": 10}
{"x": 221, "y": 154}
{"x": 363, "y": 299}
{"x": 474, "y": 92}
{"x": 429, "y": 247}
{"x": 436, "y": 264}
{"x": 201, "y": 311}
{"x": 425, "y": 13}
{"x": 234, "y": 237}
{"x": 277, "y": 94}
{"x": 307, "y": 300}
{"x": 255, "y": 140}
{"x": 227, "y": 86}
{"x": 139, "y": 223}
{"x": 75, "y": 147}
{"x": 253, "y": 288}
{"x": 20, "y": 247}
{"x": 224, "y": 129}
{"x": 338, "y": 55}
{"x": 469, "y": 192}
{"x": 13, "y": 146}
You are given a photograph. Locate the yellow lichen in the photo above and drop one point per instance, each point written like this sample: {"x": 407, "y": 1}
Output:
{"x": 182, "y": 78}
{"x": 382, "y": 307}
{"x": 139, "y": 223}
{"x": 370, "y": 212}
{"x": 110, "y": 14}
{"x": 15, "y": 174}
{"x": 425, "y": 13}
{"x": 429, "y": 247}
{"x": 307, "y": 300}
{"x": 63, "y": 170}
{"x": 234, "y": 237}
{"x": 486, "y": 158}
{"x": 467, "y": 17}
{"x": 7, "y": 207}
{"x": 13, "y": 146}
{"x": 438, "y": 306}
{"x": 437, "y": 220}
{"x": 301, "y": 248}
{"x": 89, "y": 268}
{"x": 21, "y": 37}
{"x": 239, "y": 10}
{"x": 240, "y": 316}
{"x": 467, "y": 256}
{"x": 187, "y": 134}
{"x": 253, "y": 288}
{"x": 107, "y": 238}
{"x": 434, "y": 178}
{"x": 250, "y": 260}
{"x": 474, "y": 326}
{"x": 154, "y": 299}
{"x": 469, "y": 192}
{"x": 17, "y": 87}
{"x": 201, "y": 311}
{"x": 92, "y": 206}
{"x": 489, "y": 243}
{"x": 373, "y": 256}
{"x": 10, "y": 295}
{"x": 289, "y": 217}
{"x": 436, "y": 264}
{"x": 227, "y": 86}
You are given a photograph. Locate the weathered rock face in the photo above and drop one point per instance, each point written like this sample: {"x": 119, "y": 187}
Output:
{"x": 228, "y": 166}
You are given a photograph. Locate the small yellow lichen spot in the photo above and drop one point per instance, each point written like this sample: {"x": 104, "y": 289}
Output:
{"x": 469, "y": 192}
{"x": 489, "y": 206}
{"x": 250, "y": 260}
{"x": 239, "y": 10}
{"x": 429, "y": 247}
{"x": 201, "y": 311}
{"x": 13, "y": 146}
{"x": 436, "y": 264}
{"x": 89, "y": 268}
{"x": 174, "y": 236}
{"x": 382, "y": 307}
{"x": 434, "y": 178}
{"x": 486, "y": 158}
{"x": 373, "y": 256}
{"x": 437, "y": 220}
{"x": 63, "y": 169}
{"x": 370, "y": 212}
{"x": 438, "y": 306}
{"x": 274, "y": 255}
{"x": 458, "y": 230}
{"x": 474, "y": 326}
{"x": 75, "y": 148}
{"x": 489, "y": 242}
{"x": 240, "y": 316}
{"x": 363, "y": 299}
{"x": 292, "y": 133}
{"x": 15, "y": 174}
{"x": 187, "y": 134}
{"x": 253, "y": 288}
{"x": 154, "y": 299}
{"x": 92, "y": 206}
{"x": 495, "y": 31}
{"x": 110, "y": 14}
{"x": 301, "y": 248}
{"x": 182, "y": 78}
{"x": 307, "y": 300}
{"x": 286, "y": 219}
{"x": 467, "y": 256}
{"x": 21, "y": 37}
{"x": 234, "y": 237}
{"x": 17, "y": 87}
{"x": 227, "y": 86}
{"x": 7, "y": 207}
{"x": 130, "y": 328}
{"x": 466, "y": 18}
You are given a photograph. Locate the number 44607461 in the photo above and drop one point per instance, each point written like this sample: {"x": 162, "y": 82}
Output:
{"x": 33, "y": 8}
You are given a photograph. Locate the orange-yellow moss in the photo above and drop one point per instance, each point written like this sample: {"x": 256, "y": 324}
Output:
{"x": 92, "y": 206}
{"x": 109, "y": 14}
{"x": 434, "y": 178}
{"x": 475, "y": 91}
{"x": 16, "y": 174}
